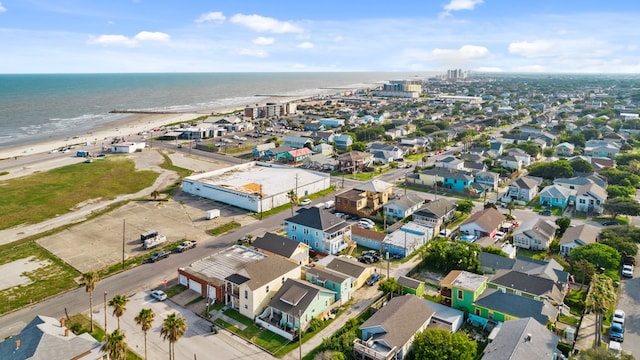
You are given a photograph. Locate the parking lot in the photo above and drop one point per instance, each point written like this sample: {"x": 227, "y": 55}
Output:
{"x": 198, "y": 342}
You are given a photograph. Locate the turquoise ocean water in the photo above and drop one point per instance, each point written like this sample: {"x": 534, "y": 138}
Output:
{"x": 42, "y": 106}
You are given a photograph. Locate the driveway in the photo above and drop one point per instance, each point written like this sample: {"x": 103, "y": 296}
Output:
{"x": 197, "y": 343}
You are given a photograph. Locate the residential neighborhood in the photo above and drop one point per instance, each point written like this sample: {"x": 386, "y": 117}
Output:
{"x": 371, "y": 221}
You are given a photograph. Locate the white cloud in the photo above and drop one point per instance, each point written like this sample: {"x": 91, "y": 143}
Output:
{"x": 263, "y": 40}
{"x": 111, "y": 22}
{"x": 214, "y": 16}
{"x": 455, "y": 5}
{"x": 305, "y": 45}
{"x": 152, "y": 36}
{"x": 338, "y": 38}
{"x": 2, "y": 8}
{"x": 265, "y": 24}
{"x": 113, "y": 40}
{"x": 488, "y": 69}
{"x": 466, "y": 52}
{"x": 254, "y": 53}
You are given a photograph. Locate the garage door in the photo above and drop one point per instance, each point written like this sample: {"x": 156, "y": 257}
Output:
{"x": 195, "y": 286}
{"x": 183, "y": 280}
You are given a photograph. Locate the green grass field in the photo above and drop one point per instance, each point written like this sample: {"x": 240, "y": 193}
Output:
{"x": 41, "y": 196}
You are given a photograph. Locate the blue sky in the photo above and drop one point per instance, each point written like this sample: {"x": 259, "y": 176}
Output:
{"x": 75, "y": 36}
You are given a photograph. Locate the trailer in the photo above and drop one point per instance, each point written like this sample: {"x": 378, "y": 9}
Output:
{"x": 212, "y": 214}
{"x": 82, "y": 153}
{"x": 154, "y": 241}
{"x": 148, "y": 235}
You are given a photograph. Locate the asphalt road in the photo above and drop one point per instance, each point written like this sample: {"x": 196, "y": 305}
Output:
{"x": 628, "y": 299}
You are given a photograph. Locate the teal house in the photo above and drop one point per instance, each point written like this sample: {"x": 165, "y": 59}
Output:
{"x": 331, "y": 280}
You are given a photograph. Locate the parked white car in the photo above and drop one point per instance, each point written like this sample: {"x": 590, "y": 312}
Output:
{"x": 618, "y": 317}
{"x": 159, "y": 295}
{"x": 627, "y": 271}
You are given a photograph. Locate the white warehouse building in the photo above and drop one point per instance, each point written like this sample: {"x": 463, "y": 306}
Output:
{"x": 255, "y": 186}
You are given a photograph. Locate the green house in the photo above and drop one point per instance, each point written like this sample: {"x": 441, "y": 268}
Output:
{"x": 411, "y": 286}
{"x": 460, "y": 289}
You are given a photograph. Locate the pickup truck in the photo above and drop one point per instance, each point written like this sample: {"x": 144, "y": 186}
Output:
{"x": 186, "y": 245}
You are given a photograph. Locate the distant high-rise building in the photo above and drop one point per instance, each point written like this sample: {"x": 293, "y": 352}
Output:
{"x": 456, "y": 74}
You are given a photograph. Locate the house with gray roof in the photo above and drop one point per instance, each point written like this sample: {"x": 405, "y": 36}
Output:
{"x": 523, "y": 284}
{"x": 403, "y": 207}
{"x": 577, "y": 236}
{"x": 319, "y": 229}
{"x": 535, "y": 234}
{"x": 490, "y": 263}
{"x": 450, "y": 162}
{"x": 385, "y": 153}
{"x": 523, "y": 339}
{"x": 332, "y": 280}
{"x": 435, "y": 213}
{"x": 485, "y": 222}
{"x": 295, "y": 304}
{"x": 46, "y": 338}
{"x": 389, "y": 333}
{"x": 590, "y": 198}
{"x": 505, "y": 305}
{"x": 343, "y": 141}
{"x": 556, "y": 195}
{"x": 513, "y": 162}
{"x": 273, "y": 244}
{"x": 488, "y": 180}
{"x": 356, "y": 271}
{"x": 297, "y": 142}
{"x": 576, "y": 182}
{"x": 524, "y": 188}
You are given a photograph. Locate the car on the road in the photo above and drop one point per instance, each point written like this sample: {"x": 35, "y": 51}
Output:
{"x": 159, "y": 295}
{"x": 627, "y": 271}
{"x": 305, "y": 202}
{"x": 546, "y": 212}
{"x": 610, "y": 223}
{"x": 499, "y": 236}
{"x": 186, "y": 245}
{"x": 159, "y": 255}
{"x": 616, "y": 333}
{"x": 618, "y": 317}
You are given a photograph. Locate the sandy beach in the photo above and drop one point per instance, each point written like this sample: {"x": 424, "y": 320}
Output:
{"x": 128, "y": 126}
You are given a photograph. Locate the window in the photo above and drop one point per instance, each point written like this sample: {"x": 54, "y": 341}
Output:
{"x": 460, "y": 294}
{"x": 283, "y": 279}
{"x": 478, "y": 312}
{"x": 267, "y": 288}
{"x": 306, "y": 231}
{"x": 246, "y": 306}
{"x": 246, "y": 294}
{"x": 293, "y": 227}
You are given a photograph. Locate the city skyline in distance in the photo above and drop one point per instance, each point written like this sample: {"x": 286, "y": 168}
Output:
{"x": 79, "y": 36}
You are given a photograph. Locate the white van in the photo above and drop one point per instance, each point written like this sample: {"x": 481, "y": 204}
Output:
{"x": 329, "y": 204}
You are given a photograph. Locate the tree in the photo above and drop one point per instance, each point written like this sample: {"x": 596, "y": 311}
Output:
{"x": 114, "y": 345}
{"x": 464, "y": 206}
{"x": 625, "y": 206}
{"x": 614, "y": 191}
{"x": 445, "y": 255}
{"x": 624, "y": 232}
{"x": 551, "y": 170}
{"x": 581, "y": 165}
{"x": 583, "y": 270}
{"x": 173, "y": 328}
{"x": 563, "y": 224}
{"x": 622, "y": 245}
{"x": 119, "y": 305}
{"x": 90, "y": 280}
{"x": 145, "y": 321}
{"x": 511, "y": 205}
{"x": 600, "y": 255}
{"x": 293, "y": 199}
{"x": 359, "y": 146}
{"x": 600, "y": 298}
{"x": 389, "y": 285}
{"x": 441, "y": 344}
{"x": 155, "y": 194}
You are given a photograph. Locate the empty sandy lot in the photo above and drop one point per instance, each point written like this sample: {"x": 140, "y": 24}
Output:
{"x": 97, "y": 243}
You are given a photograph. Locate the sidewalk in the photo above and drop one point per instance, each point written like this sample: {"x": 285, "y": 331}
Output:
{"x": 586, "y": 333}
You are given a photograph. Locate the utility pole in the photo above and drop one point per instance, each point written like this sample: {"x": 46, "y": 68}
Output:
{"x": 300, "y": 333}
{"x": 105, "y": 313}
{"x": 123, "y": 232}
{"x": 297, "y": 184}
{"x": 260, "y": 201}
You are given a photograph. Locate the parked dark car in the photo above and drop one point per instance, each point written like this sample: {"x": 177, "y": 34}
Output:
{"x": 628, "y": 260}
{"x": 545, "y": 212}
{"x": 159, "y": 255}
{"x": 610, "y": 223}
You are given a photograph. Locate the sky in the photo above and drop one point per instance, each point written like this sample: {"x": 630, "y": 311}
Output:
{"x": 124, "y": 36}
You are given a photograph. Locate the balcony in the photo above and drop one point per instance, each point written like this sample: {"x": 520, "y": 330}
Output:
{"x": 368, "y": 350}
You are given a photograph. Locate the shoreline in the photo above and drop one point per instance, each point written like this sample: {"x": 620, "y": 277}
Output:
{"x": 129, "y": 125}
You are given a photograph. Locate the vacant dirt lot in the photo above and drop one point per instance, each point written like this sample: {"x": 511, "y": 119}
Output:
{"x": 97, "y": 243}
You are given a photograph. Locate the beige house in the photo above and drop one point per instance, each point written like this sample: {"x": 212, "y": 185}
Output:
{"x": 535, "y": 234}
{"x": 577, "y": 236}
{"x": 250, "y": 289}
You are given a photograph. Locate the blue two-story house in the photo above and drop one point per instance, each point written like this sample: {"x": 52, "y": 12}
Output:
{"x": 332, "y": 122}
{"x": 332, "y": 280}
{"x": 458, "y": 180}
{"x": 320, "y": 229}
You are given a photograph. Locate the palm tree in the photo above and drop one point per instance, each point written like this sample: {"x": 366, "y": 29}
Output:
{"x": 510, "y": 206}
{"x": 145, "y": 320}
{"x": 119, "y": 303}
{"x": 173, "y": 328}
{"x": 600, "y": 298}
{"x": 90, "y": 281}
{"x": 293, "y": 199}
{"x": 114, "y": 345}
{"x": 424, "y": 160}
{"x": 155, "y": 194}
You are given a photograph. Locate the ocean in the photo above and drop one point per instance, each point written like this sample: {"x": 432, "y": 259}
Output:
{"x": 36, "y": 107}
